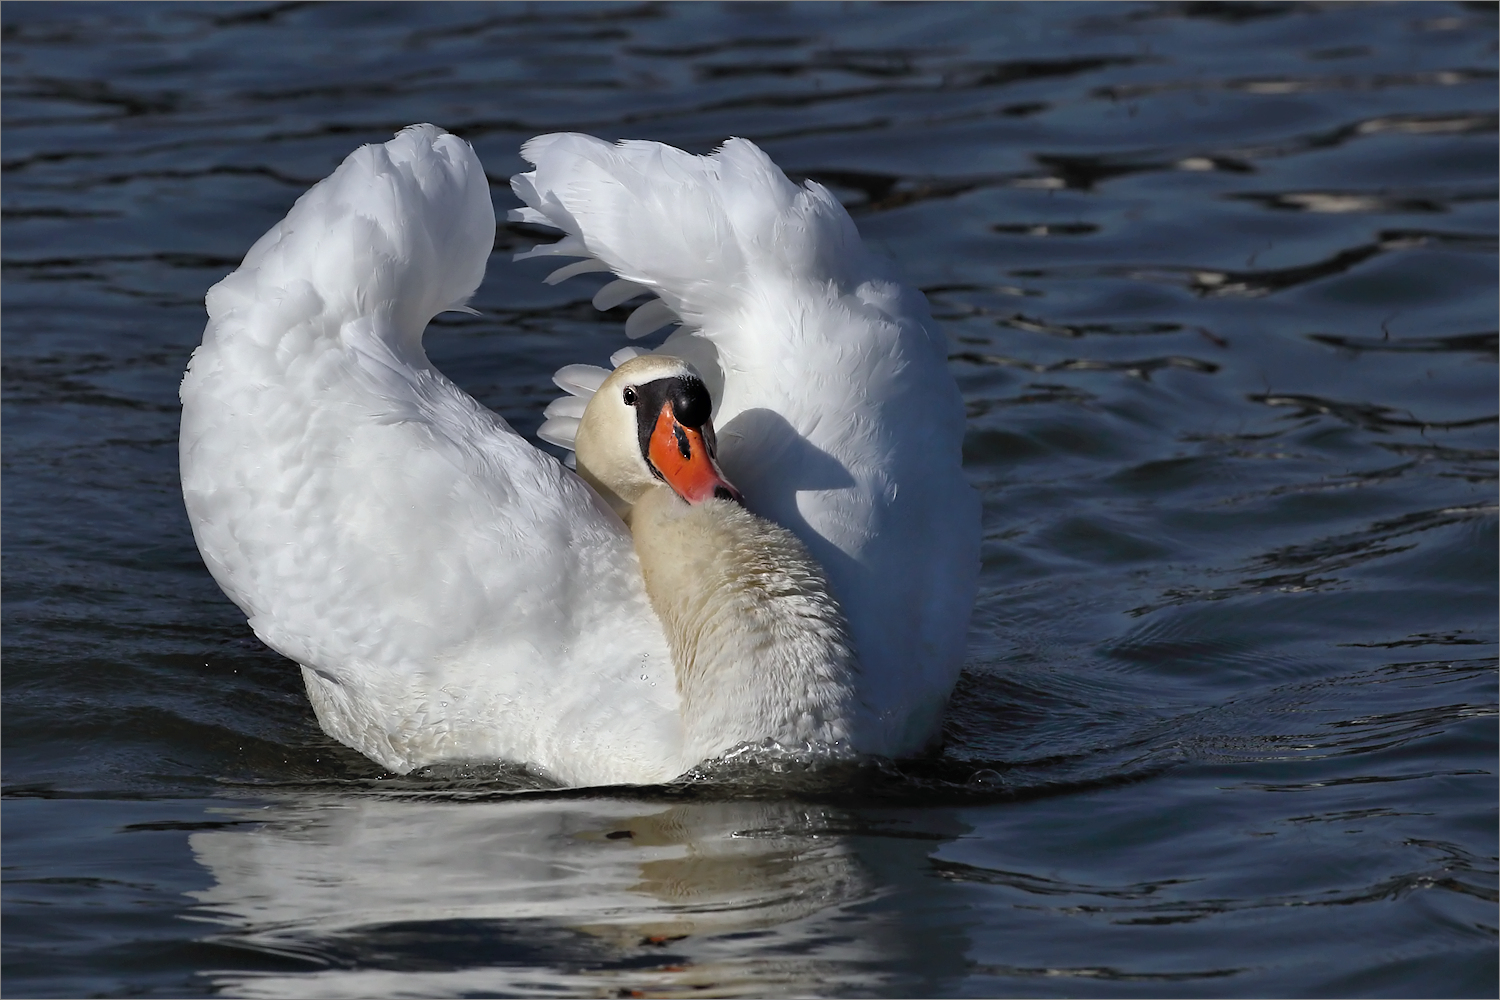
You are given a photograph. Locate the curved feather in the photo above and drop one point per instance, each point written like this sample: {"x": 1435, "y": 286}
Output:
{"x": 449, "y": 590}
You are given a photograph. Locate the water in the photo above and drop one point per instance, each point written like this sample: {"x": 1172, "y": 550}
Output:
{"x": 1220, "y": 283}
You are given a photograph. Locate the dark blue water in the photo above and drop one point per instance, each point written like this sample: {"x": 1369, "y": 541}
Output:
{"x": 1220, "y": 282}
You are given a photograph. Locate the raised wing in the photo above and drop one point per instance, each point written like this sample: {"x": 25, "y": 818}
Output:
{"x": 449, "y": 590}
{"x": 836, "y": 414}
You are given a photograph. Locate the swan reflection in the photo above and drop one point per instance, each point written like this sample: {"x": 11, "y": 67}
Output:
{"x": 536, "y": 895}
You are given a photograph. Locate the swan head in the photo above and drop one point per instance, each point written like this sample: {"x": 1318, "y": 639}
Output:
{"x": 648, "y": 424}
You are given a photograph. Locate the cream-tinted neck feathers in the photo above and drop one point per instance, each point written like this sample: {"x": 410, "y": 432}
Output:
{"x": 760, "y": 647}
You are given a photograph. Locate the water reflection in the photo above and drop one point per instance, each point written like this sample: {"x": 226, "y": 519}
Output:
{"x": 525, "y": 895}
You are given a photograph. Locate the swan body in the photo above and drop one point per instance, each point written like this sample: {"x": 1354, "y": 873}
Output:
{"x": 452, "y": 592}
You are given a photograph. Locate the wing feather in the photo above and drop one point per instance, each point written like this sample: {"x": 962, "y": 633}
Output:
{"x": 836, "y": 413}
{"x": 450, "y": 590}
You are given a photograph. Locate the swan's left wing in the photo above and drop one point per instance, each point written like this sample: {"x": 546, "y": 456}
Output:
{"x": 450, "y": 591}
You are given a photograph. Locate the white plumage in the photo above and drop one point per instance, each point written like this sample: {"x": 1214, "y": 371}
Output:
{"x": 452, "y": 592}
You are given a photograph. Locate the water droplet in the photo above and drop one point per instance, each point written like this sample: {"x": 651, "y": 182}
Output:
{"x": 984, "y": 778}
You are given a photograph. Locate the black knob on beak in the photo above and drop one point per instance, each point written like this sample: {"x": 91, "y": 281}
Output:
{"x": 690, "y": 403}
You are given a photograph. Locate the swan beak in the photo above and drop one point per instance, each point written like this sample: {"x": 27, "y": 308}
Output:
{"x": 681, "y": 455}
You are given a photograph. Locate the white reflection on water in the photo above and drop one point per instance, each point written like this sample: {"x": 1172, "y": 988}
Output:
{"x": 538, "y": 896}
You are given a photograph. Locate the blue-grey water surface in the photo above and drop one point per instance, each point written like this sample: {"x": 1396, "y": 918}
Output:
{"x": 1220, "y": 284}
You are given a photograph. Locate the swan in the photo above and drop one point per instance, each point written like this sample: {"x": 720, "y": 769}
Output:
{"x": 796, "y": 566}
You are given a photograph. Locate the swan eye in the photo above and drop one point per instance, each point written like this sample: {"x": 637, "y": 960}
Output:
{"x": 629, "y": 395}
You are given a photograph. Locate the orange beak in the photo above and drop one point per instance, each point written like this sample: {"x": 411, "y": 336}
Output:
{"x": 682, "y": 456}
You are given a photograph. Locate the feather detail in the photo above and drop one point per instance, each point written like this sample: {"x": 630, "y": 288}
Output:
{"x": 570, "y": 270}
{"x": 649, "y": 318}
{"x": 529, "y": 215}
{"x": 580, "y": 380}
{"x": 617, "y": 292}
{"x": 568, "y": 246}
{"x": 561, "y": 431}
{"x": 566, "y": 406}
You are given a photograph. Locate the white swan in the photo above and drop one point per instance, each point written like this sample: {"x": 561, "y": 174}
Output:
{"x": 451, "y": 592}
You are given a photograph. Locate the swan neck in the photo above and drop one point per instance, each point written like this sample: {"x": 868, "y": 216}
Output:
{"x": 760, "y": 648}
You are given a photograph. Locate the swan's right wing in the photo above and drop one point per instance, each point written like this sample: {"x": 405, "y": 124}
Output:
{"x": 836, "y": 413}
{"x": 450, "y": 591}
